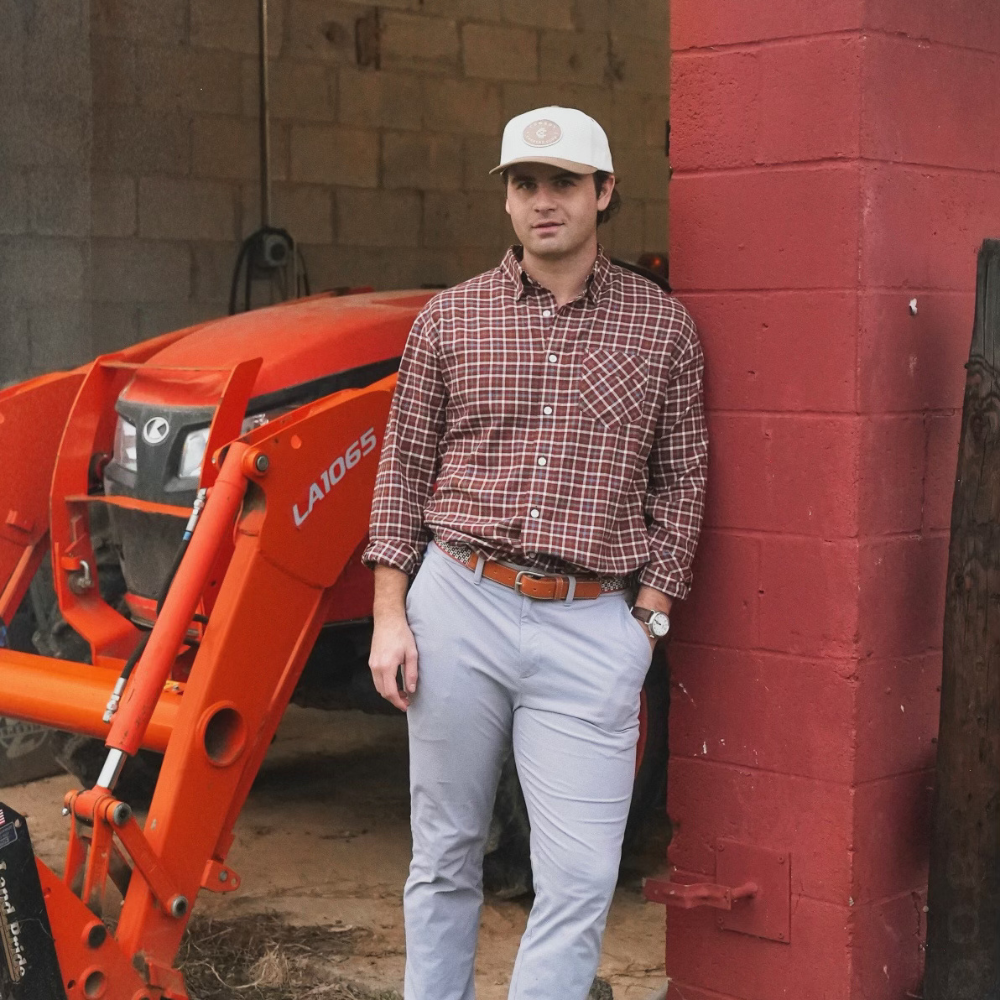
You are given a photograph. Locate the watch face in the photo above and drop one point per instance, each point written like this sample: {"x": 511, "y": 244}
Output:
{"x": 659, "y": 624}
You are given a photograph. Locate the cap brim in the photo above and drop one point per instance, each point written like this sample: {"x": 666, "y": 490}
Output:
{"x": 552, "y": 161}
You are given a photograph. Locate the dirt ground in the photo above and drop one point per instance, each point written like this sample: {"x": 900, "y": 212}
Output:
{"x": 324, "y": 841}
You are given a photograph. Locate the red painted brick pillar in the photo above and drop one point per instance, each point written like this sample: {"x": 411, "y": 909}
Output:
{"x": 832, "y": 162}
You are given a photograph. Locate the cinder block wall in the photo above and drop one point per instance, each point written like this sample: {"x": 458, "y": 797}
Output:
{"x": 380, "y": 149}
{"x": 45, "y": 132}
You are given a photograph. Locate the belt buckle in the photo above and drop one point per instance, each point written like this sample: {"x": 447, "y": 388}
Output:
{"x": 528, "y": 573}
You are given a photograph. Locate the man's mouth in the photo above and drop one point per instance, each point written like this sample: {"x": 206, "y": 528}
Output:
{"x": 546, "y": 226}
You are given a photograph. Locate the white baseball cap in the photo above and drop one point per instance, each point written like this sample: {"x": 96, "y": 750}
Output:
{"x": 563, "y": 137}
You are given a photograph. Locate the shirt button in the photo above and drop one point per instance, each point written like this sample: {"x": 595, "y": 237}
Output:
{"x": 553, "y": 358}
{"x": 547, "y": 410}
{"x": 534, "y": 512}
{"x": 542, "y": 460}
{"x": 546, "y": 313}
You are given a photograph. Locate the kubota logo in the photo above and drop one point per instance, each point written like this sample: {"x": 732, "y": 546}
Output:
{"x": 155, "y": 430}
{"x": 329, "y": 477}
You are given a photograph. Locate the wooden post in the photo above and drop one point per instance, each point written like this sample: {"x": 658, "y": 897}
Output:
{"x": 963, "y": 924}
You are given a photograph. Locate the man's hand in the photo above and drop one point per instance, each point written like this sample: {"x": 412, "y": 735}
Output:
{"x": 654, "y": 600}
{"x": 393, "y": 645}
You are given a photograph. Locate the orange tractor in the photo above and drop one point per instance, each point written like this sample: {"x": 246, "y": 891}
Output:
{"x": 182, "y": 524}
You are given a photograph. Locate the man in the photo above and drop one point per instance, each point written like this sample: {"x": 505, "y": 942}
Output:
{"x": 545, "y": 452}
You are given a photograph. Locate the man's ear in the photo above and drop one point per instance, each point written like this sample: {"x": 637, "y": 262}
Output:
{"x": 604, "y": 198}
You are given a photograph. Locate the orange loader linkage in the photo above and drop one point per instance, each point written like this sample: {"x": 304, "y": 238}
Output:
{"x": 255, "y": 585}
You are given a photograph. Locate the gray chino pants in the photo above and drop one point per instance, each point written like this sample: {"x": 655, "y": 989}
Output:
{"x": 560, "y": 682}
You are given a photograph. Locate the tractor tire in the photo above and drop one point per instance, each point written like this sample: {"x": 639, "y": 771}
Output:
{"x": 507, "y": 863}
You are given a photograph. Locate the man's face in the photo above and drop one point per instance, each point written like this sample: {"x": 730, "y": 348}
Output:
{"x": 554, "y": 212}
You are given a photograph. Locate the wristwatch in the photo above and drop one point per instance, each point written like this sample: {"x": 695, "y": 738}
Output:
{"x": 657, "y": 622}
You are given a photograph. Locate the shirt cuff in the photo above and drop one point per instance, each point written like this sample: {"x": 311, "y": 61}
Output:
{"x": 667, "y": 582}
{"x": 397, "y": 555}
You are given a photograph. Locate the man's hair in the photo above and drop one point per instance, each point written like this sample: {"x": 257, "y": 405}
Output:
{"x": 600, "y": 178}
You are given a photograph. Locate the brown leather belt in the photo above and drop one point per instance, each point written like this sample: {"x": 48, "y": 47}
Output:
{"x": 539, "y": 586}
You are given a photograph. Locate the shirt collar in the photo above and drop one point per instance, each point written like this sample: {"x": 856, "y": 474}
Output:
{"x": 522, "y": 283}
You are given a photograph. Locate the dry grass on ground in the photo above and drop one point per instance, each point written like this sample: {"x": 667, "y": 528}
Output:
{"x": 260, "y": 957}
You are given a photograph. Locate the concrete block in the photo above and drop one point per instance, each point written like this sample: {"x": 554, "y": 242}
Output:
{"x": 464, "y": 10}
{"x": 761, "y": 725}
{"x": 901, "y": 594}
{"x": 318, "y": 30}
{"x": 298, "y": 91}
{"x": 306, "y": 212}
{"x": 643, "y": 172}
{"x": 113, "y": 327}
{"x": 464, "y": 106}
{"x": 59, "y": 202}
{"x": 234, "y": 27}
{"x": 323, "y": 154}
{"x": 15, "y": 350}
{"x": 189, "y": 80}
{"x": 422, "y": 160}
{"x": 969, "y": 26}
{"x": 644, "y": 18}
{"x": 12, "y": 46}
{"x": 163, "y": 22}
{"x": 595, "y": 101}
{"x": 378, "y": 218}
{"x": 136, "y": 141}
{"x": 380, "y": 99}
{"x": 47, "y": 134}
{"x": 694, "y": 24}
{"x": 139, "y": 271}
{"x": 480, "y": 155}
{"x": 939, "y": 478}
{"x": 229, "y": 149}
{"x": 53, "y": 15}
{"x": 500, "y": 53}
{"x": 656, "y": 228}
{"x": 113, "y": 71}
{"x": 724, "y": 606}
{"x": 752, "y": 344}
{"x": 746, "y": 231}
{"x": 212, "y": 270}
{"x": 891, "y": 474}
{"x": 168, "y": 316}
{"x": 574, "y": 57}
{"x": 551, "y": 14}
{"x": 639, "y": 63}
{"x": 13, "y": 203}
{"x": 638, "y": 119}
{"x": 419, "y": 42}
{"x": 184, "y": 209}
{"x": 623, "y": 236}
{"x": 59, "y": 335}
{"x": 467, "y": 220}
{"x": 593, "y": 15}
{"x": 810, "y": 101}
{"x": 908, "y": 84}
{"x": 56, "y": 66}
{"x": 809, "y": 596}
{"x": 897, "y": 715}
{"x": 38, "y": 269}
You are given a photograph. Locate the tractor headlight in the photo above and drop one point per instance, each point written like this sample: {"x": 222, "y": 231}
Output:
{"x": 193, "y": 452}
{"x": 124, "y": 451}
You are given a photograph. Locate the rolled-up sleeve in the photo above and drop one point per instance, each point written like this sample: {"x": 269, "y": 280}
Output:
{"x": 409, "y": 460}
{"x": 678, "y": 463}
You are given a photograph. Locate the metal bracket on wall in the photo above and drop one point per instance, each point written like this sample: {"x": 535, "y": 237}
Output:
{"x": 753, "y": 888}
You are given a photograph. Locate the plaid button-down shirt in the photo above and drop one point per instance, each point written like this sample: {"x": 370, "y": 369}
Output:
{"x": 566, "y": 438}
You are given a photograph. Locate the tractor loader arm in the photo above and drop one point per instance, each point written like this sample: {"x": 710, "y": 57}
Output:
{"x": 297, "y": 494}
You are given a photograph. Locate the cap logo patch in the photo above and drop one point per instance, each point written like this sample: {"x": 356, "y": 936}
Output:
{"x": 543, "y": 132}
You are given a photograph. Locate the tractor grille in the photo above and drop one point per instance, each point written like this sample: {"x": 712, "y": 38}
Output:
{"x": 147, "y": 544}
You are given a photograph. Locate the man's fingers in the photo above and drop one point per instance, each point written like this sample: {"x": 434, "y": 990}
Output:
{"x": 410, "y": 670}
{"x": 385, "y": 682}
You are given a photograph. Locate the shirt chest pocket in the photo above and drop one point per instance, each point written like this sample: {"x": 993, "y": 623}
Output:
{"x": 613, "y": 387}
